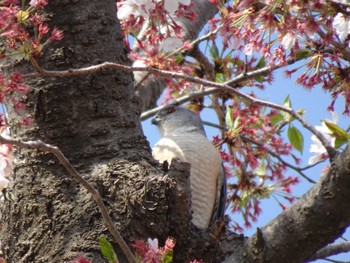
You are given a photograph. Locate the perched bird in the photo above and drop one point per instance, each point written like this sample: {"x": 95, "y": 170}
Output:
{"x": 183, "y": 137}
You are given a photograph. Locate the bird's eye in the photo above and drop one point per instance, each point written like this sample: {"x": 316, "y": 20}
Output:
{"x": 170, "y": 110}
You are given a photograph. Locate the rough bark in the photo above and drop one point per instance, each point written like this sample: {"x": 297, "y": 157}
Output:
{"x": 95, "y": 121}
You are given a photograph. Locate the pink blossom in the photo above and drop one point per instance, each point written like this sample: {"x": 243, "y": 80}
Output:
{"x": 235, "y": 43}
{"x": 38, "y": 3}
{"x": 248, "y": 49}
{"x": 169, "y": 244}
{"x": 27, "y": 121}
{"x": 43, "y": 29}
{"x": 81, "y": 259}
{"x": 56, "y": 35}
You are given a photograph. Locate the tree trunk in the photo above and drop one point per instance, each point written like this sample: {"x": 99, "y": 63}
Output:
{"x": 94, "y": 120}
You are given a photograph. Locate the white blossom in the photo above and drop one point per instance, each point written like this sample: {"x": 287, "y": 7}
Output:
{"x": 3, "y": 182}
{"x": 316, "y": 146}
{"x": 288, "y": 41}
{"x": 341, "y": 25}
{"x": 153, "y": 243}
{"x": 248, "y": 49}
{"x": 134, "y": 7}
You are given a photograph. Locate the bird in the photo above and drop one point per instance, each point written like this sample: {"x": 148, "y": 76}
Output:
{"x": 183, "y": 137}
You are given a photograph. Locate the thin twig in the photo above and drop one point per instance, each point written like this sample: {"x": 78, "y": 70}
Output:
{"x": 75, "y": 175}
{"x": 278, "y": 157}
{"x": 222, "y": 86}
{"x": 198, "y": 40}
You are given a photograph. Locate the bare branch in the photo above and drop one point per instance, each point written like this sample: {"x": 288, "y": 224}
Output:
{"x": 220, "y": 87}
{"x": 331, "y": 250}
{"x": 75, "y": 175}
{"x": 200, "y": 39}
{"x": 194, "y": 95}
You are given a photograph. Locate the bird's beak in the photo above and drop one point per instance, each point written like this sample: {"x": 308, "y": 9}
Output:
{"x": 155, "y": 121}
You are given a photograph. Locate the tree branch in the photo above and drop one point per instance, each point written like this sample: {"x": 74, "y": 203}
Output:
{"x": 331, "y": 250}
{"x": 75, "y": 175}
{"x": 316, "y": 219}
{"x": 220, "y": 87}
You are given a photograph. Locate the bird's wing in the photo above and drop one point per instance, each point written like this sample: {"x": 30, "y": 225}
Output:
{"x": 221, "y": 196}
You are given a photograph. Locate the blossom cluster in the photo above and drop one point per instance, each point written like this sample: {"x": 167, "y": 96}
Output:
{"x": 155, "y": 27}
{"x": 16, "y": 23}
{"x": 150, "y": 252}
{"x": 249, "y": 150}
{"x": 284, "y": 32}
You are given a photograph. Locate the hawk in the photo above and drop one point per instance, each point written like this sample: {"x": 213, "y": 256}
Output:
{"x": 183, "y": 137}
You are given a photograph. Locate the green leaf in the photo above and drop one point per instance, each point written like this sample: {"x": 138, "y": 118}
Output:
{"x": 260, "y": 79}
{"x": 301, "y": 54}
{"x": 296, "y": 138}
{"x": 236, "y": 124}
{"x": 261, "y": 63}
{"x": 261, "y": 170}
{"x": 339, "y": 142}
{"x": 276, "y": 119}
{"x": 301, "y": 112}
{"x": 179, "y": 59}
{"x": 214, "y": 52}
{"x": 107, "y": 250}
{"x": 287, "y": 103}
{"x": 229, "y": 120}
{"x": 336, "y": 131}
{"x": 168, "y": 257}
{"x": 219, "y": 77}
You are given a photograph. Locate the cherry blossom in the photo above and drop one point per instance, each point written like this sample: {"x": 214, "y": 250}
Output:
{"x": 341, "y": 25}
{"x": 316, "y": 146}
{"x": 288, "y": 40}
{"x": 153, "y": 243}
{"x": 135, "y": 7}
{"x": 38, "y": 3}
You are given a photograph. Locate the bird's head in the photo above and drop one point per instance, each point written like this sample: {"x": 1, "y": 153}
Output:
{"x": 174, "y": 120}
